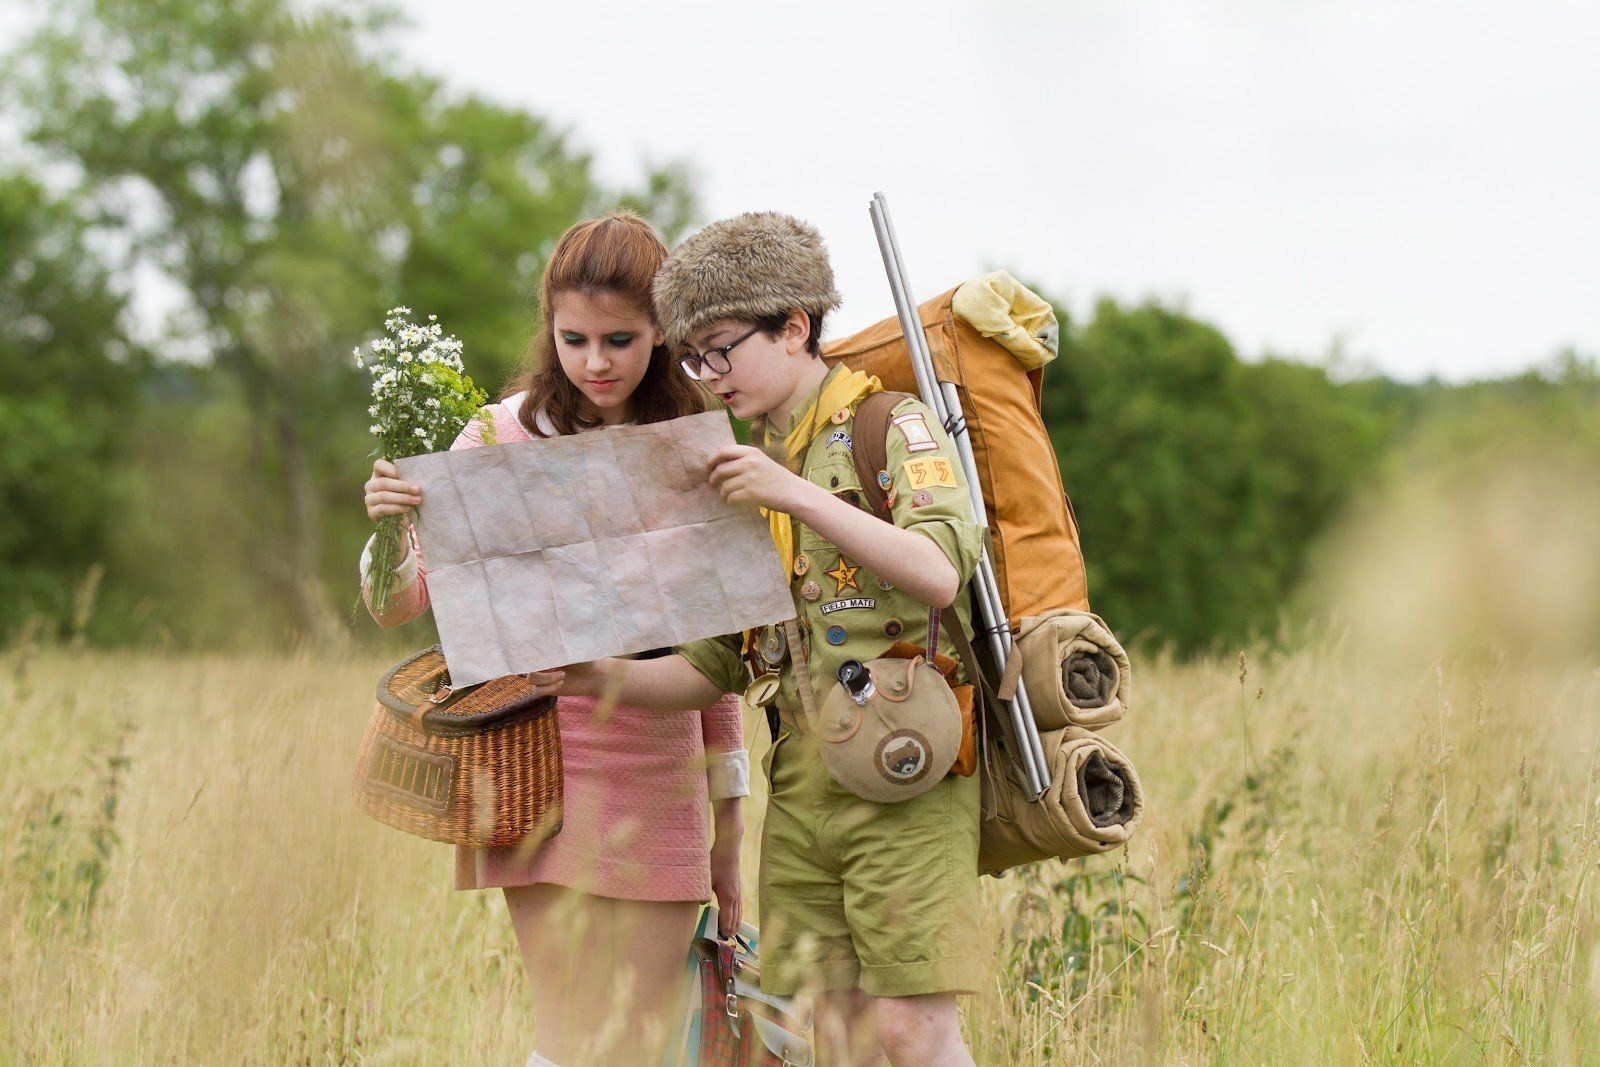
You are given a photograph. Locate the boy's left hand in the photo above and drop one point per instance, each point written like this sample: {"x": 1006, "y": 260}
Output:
{"x": 743, "y": 473}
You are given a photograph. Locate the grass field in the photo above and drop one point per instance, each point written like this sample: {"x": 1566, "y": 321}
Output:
{"x": 1343, "y": 861}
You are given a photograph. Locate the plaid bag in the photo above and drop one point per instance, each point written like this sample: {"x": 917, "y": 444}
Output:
{"x": 730, "y": 1022}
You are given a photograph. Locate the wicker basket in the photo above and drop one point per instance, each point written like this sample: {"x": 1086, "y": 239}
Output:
{"x": 479, "y": 766}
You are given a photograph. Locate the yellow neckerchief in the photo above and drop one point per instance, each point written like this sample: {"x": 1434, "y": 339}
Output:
{"x": 841, "y": 389}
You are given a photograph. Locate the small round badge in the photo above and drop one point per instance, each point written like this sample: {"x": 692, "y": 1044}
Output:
{"x": 841, "y": 416}
{"x": 890, "y": 497}
{"x": 884, "y": 481}
{"x": 885, "y": 584}
{"x": 893, "y": 628}
{"x": 836, "y": 635}
{"x": 811, "y": 590}
{"x": 802, "y": 563}
{"x": 921, "y": 498}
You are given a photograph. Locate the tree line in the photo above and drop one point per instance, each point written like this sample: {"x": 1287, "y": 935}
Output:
{"x": 290, "y": 181}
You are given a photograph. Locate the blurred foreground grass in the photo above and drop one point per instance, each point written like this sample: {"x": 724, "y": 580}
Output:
{"x": 1341, "y": 862}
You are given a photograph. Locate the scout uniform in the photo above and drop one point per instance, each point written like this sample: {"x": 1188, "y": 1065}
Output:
{"x": 883, "y": 897}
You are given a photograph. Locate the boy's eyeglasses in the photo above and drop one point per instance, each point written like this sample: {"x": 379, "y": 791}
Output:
{"x": 715, "y": 358}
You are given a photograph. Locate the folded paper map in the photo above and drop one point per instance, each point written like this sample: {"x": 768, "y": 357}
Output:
{"x": 569, "y": 549}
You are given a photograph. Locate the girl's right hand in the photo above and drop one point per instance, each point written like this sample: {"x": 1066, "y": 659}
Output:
{"x": 387, "y": 494}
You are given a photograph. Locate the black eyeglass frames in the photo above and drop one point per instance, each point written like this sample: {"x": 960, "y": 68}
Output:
{"x": 715, "y": 358}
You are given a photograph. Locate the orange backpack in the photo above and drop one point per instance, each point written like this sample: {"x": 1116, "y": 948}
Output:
{"x": 1037, "y": 559}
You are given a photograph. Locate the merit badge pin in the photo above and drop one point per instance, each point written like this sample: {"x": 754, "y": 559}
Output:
{"x": 885, "y": 481}
{"x": 811, "y": 590}
{"x": 890, "y": 498}
{"x": 885, "y": 584}
{"x": 836, "y": 635}
{"x": 866, "y": 603}
{"x": 914, "y": 430}
{"x": 844, "y": 576}
{"x": 841, "y": 437}
{"x": 893, "y": 628}
{"x": 762, "y": 691}
{"x": 802, "y": 563}
{"x": 840, "y": 417}
{"x": 921, "y": 498}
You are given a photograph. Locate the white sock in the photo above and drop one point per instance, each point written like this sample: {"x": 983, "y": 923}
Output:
{"x": 536, "y": 1060}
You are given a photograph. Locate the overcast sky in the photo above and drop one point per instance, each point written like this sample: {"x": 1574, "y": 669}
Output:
{"x": 1415, "y": 179}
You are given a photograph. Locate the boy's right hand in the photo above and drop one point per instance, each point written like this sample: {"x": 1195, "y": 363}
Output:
{"x": 387, "y": 494}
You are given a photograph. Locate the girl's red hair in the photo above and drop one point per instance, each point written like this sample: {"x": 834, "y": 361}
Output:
{"x": 617, "y": 254}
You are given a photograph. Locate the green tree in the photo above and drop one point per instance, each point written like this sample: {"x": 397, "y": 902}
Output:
{"x": 69, "y": 395}
{"x": 294, "y": 183}
{"x": 1200, "y": 481}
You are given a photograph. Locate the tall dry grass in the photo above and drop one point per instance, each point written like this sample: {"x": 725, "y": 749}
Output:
{"x": 1377, "y": 845}
{"x": 1340, "y": 864}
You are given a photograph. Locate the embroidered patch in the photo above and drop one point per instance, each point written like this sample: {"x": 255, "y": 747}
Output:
{"x": 930, "y": 472}
{"x": 841, "y": 437}
{"x": 902, "y": 757}
{"x": 914, "y": 430}
{"x": 852, "y": 604}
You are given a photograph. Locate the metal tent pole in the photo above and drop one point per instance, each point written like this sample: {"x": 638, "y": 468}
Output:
{"x": 943, "y": 398}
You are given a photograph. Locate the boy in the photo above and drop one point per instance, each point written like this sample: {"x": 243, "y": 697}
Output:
{"x": 873, "y": 904}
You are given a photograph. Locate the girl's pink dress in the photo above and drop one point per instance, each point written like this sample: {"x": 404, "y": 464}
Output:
{"x": 635, "y": 821}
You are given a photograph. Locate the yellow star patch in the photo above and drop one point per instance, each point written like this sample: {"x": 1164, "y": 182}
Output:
{"x": 844, "y": 575}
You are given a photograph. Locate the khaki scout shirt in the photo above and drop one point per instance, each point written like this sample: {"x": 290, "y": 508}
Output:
{"x": 846, "y": 612}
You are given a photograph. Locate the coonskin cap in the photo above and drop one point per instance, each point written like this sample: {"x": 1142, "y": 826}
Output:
{"x": 745, "y": 267}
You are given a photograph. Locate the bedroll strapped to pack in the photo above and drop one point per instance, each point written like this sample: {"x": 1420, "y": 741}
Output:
{"x": 1077, "y": 673}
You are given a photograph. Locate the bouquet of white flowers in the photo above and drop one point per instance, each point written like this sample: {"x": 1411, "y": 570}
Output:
{"x": 421, "y": 398}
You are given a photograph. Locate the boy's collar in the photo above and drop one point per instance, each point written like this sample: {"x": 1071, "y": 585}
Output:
{"x": 805, "y": 402}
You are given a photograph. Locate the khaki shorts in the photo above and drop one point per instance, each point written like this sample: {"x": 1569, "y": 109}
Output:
{"x": 880, "y": 897}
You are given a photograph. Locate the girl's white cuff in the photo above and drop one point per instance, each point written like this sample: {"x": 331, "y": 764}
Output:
{"x": 405, "y": 570}
{"x": 728, "y": 774}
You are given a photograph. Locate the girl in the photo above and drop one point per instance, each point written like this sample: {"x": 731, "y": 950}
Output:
{"x": 603, "y": 912}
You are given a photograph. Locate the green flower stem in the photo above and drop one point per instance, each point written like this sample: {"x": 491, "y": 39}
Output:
{"x": 385, "y": 557}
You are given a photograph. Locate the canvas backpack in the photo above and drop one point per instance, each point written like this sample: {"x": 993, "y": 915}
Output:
{"x": 992, "y": 338}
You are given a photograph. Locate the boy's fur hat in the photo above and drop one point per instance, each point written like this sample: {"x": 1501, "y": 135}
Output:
{"x": 745, "y": 267}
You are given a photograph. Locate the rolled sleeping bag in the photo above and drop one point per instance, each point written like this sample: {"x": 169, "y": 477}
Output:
{"x": 1093, "y": 805}
{"x": 1076, "y": 671}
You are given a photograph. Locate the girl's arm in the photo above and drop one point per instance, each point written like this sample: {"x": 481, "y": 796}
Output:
{"x": 410, "y": 598}
{"x": 727, "y": 759}
{"x": 388, "y": 494}
{"x": 727, "y": 780}
{"x": 670, "y": 683}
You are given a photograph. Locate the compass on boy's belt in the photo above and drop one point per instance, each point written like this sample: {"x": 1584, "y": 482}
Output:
{"x": 771, "y": 647}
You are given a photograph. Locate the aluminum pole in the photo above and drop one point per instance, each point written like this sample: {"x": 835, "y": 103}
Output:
{"x": 946, "y": 404}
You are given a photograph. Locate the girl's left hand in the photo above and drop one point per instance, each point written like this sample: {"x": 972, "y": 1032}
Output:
{"x": 744, "y": 473}
{"x": 725, "y": 869}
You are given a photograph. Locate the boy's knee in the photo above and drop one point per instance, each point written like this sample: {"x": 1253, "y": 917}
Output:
{"x": 912, "y": 1028}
